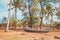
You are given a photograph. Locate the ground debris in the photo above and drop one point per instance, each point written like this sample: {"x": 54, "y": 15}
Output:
{"x": 35, "y": 39}
{"x": 57, "y": 37}
{"x": 22, "y": 34}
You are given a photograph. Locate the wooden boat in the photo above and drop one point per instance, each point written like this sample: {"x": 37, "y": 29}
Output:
{"x": 28, "y": 29}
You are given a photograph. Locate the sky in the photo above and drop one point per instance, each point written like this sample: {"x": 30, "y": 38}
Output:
{"x": 4, "y": 9}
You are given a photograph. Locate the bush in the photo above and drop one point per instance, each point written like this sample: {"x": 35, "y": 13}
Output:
{"x": 57, "y": 26}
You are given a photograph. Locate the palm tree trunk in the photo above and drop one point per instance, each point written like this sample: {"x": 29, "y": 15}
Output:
{"x": 30, "y": 19}
{"x": 51, "y": 21}
{"x": 41, "y": 14}
{"x": 48, "y": 19}
{"x": 15, "y": 17}
{"x": 7, "y": 28}
{"x": 30, "y": 16}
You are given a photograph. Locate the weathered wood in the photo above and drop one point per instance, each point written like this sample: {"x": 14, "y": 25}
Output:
{"x": 28, "y": 29}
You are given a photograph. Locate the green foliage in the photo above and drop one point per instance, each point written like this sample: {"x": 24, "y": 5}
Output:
{"x": 35, "y": 21}
{"x": 15, "y": 3}
{"x": 25, "y": 21}
{"x": 42, "y": 0}
{"x": 48, "y": 7}
{"x": 4, "y": 20}
{"x": 19, "y": 22}
{"x": 34, "y": 11}
{"x": 46, "y": 25}
{"x": 13, "y": 20}
{"x": 58, "y": 14}
{"x": 57, "y": 26}
{"x": 35, "y": 2}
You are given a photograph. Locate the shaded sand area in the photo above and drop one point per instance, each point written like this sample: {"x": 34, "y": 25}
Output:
{"x": 22, "y": 35}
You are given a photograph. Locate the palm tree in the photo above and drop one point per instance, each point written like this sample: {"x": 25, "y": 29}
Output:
{"x": 41, "y": 16}
{"x": 16, "y": 4}
{"x": 12, "y": 22}
{"x": 35, "y": 12}
{"x": 49, "y": 12}
{"x": 33, "y": 8}
{"x": 58, "y": 14}
{"x": 29, "y": 6}
{"x": 7, "y": 28}
{"x": 32, "y": 15}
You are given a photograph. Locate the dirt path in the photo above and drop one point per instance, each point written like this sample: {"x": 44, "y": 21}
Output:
{"x": 21, "y": 35}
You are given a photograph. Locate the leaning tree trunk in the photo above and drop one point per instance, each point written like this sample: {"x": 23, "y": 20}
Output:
{"x": 47, "y": 19}
{"x": 41, "y": 14}
{"x": 30, "y": 16}
{"x": 7, "y": 27}
{"x": 15, "y": 18}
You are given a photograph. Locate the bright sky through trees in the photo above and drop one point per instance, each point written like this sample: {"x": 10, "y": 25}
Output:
{"x": 4, "y": 9}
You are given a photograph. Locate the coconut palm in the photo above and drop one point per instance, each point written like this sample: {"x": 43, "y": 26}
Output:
{"x": 41, "y": 15}
{"x": 7, "y": 27}
{"x": 12, "y": 21}
{"x": 30, "y": 14}
{"x": 17, "y": 4}
{"x": 58, "y": 14}
{"x": 32, "y": 9}
{"x": 49, "y": 12}
{"x": 35, "y": 11}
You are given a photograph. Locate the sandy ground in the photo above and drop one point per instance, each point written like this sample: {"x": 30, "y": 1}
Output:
{"x": 22, "y": 35}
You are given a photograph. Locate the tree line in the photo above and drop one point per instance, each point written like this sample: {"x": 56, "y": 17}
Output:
{"x": 34, "y": 13}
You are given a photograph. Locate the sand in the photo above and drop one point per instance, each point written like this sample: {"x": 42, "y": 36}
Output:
{"x": 22, "y": 35}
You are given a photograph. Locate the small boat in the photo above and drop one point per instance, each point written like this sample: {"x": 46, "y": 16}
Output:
{"x": 28, "y": 29}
